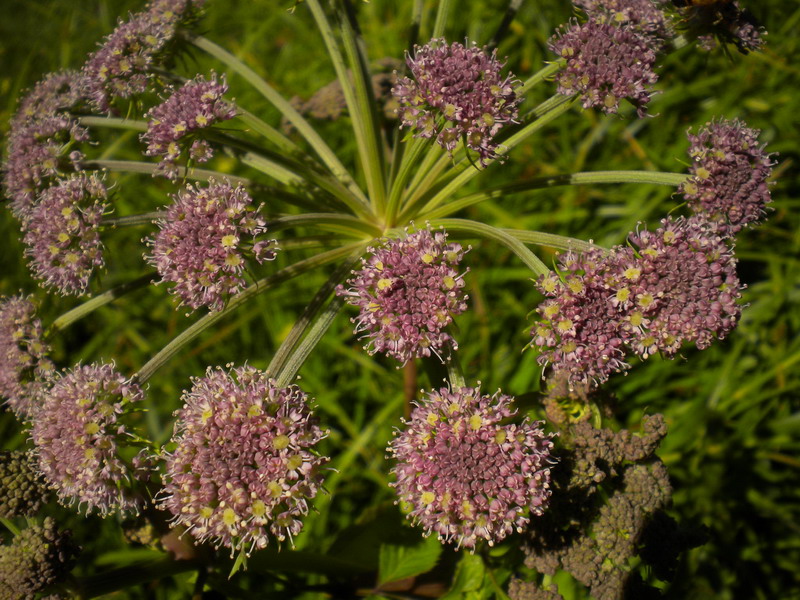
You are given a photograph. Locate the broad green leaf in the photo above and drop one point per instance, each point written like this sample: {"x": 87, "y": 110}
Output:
{"x": 468, "y": 577}
{"x": 399, "y": 562}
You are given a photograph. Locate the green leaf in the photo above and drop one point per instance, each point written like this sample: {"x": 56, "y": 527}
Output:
{"x": 468, "y": 577}
{"x": 399, "y": 562}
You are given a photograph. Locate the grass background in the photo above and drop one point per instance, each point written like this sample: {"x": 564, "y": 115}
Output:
{"x": 733, "y": 410}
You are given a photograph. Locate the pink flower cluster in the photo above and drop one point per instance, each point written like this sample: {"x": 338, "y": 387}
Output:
{"x": 24, "y": 366}
{"x": 644, "y": 16}
{"x": 730, "y": 169}
{"x": 63, "y": 238}
{"x": 40, "y": 139}
{"x": 123, "y": 66}
{"x": 244, "y": 465}
{"x": 457, "y": 92}
{"x": 408, "y": 292}
{"x": 673, "y": 286}
{"x": 465, "y": 476}
{"x": 77, "y": 433}
{"x": 605, "y": 63}
{"x": 202, "y": 240}
{"x": 196, "y": 105}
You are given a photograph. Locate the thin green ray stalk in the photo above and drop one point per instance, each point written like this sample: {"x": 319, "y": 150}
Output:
{"x": 185, "y": 337}
{"x": 289, "y": 371}
{"x": 268, "y": 132}
{"x": 133, "y": 220}
{"x": 581, "y": 178}
{"x": 542, "y": 74}
{"x": 113, "y": 123}
{"x": 282, "y": 355}
{"x": 286, "y": 170}
{"x": 356, "y": 52}
{"x": 137, "y": 166}
{"x": 493, "y": 233}
{"x": 467, "y": 171}
{"x": 356, "y": 96}
{"x": 442, "y": 13}
{"x": 398, "y": 184}
{"x": 552, "y": 240}
{"x": 333, "y": 221}
{"x": 291, "y": 114}
{"x": 82, "y": 310}
{"x": 454, "y": 371}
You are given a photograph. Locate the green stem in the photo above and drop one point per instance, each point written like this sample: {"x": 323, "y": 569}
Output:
{"x": 356, "y": 94}
{"x": 538, "y": 77}
{"x": 281, "y": 356}
{"x": 467, "y": 172}
{"x": 136, "y": 166}
{"x": 315, "y": 334}
{"x": 552, "y": 240}
{"x": 113, "y": 123}
{"x": 80, "y": 311}
{"x": 9, "y": 524}
{"x": 398, "y": 183}
{"x": 268, "y": 132}
{"x": 330, "y": 221}
{"x": 487, "y": 231}
{"x": 291, "y": 114}
{"x": 442, "y": 12}
{"x": 287, "y": 170}
{"x": 189, "y": 334}
{"x": 454, "y": 372}
{"x": 133, "y": 220}
{"x": 583, "y": 178}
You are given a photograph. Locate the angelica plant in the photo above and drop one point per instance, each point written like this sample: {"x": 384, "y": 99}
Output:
{"x": 241, "y": 484}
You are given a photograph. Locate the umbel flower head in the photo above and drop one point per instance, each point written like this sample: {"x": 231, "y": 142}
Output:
{"x": 24, "y": 365}
{"x": 63, "y": 237}
{"x": 123, "y": 65}
{"x": 644, "y": 16}
{"x": 457, "y": 93}
{"x": 605, "y": 64}
{"x": 462, "y": 474}
{"x": 40, "y": 556}
{"x": 196, "y": 105}
{"x": 408, "y": 291}
{"x": 730, "y": 169}
{"x": 671, "y": 286}
{"x": 244, "y": 465}
{"x": 77, "y": 433}
{"x": 201, "y": 243}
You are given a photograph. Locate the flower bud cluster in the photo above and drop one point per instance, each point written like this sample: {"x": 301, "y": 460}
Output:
{"x": 595, "y": 543}
{"x": 22, "y": 490}
{"x": 40, "y": 556}
{"x": 201, "y": 243}
{"x": 244, "y": 465}
{"x": 465, "y": 476}
{"x": 63, "y": 238}
{"x": 24, "y": 365}
{"x": 675, "y": 285}
{"x": 123, "y": 65}
{"x": 606, "y": 63}
{"x": 408, "y": 292}
{"x": 457, "y": 92}
{"x": 77, "y": 433}
{"x": 196, "y": 105}
{"x": 730, "y": 168}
